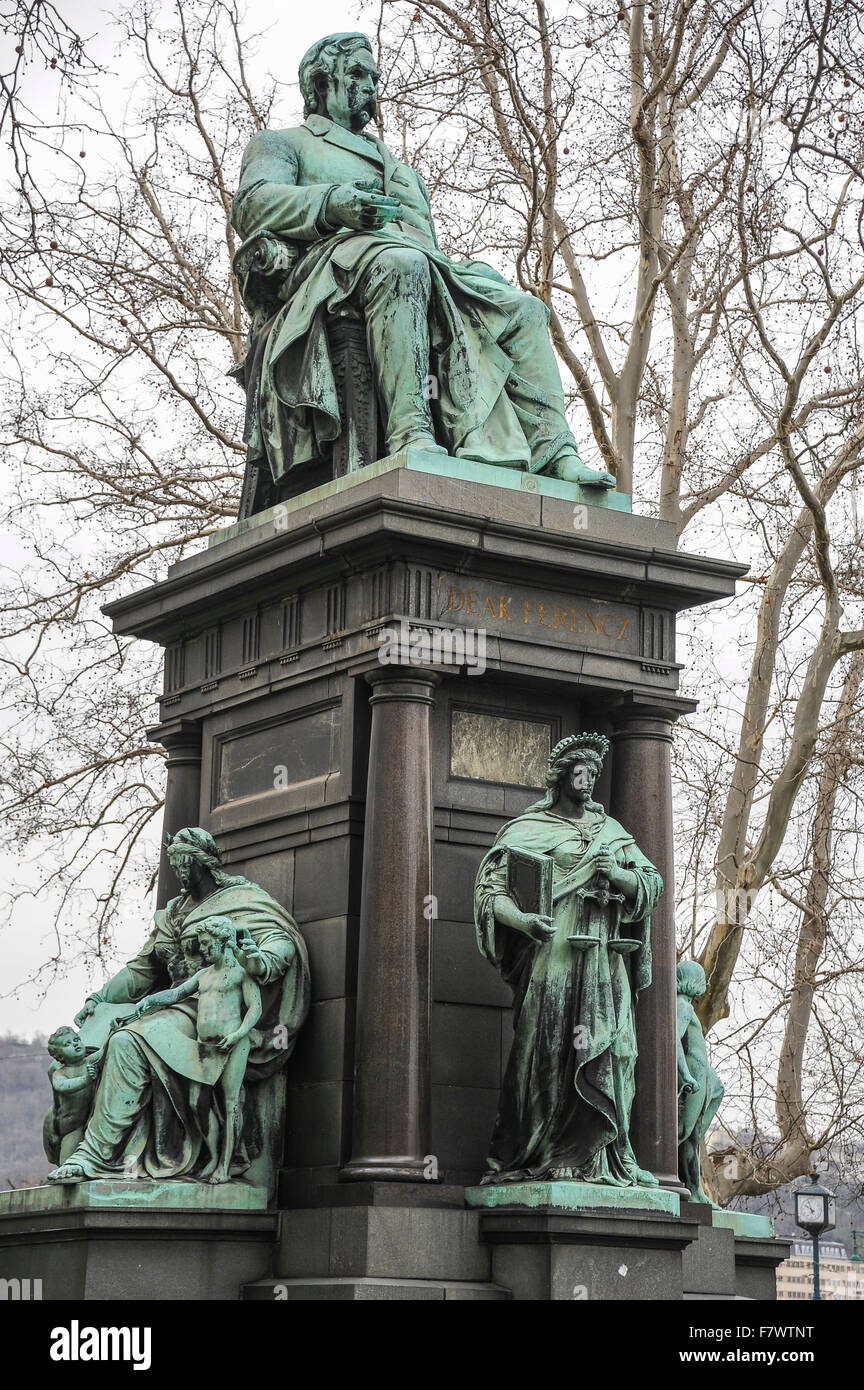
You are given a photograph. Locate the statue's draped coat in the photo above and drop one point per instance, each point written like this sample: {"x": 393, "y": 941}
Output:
{"x": 285, "y": 181}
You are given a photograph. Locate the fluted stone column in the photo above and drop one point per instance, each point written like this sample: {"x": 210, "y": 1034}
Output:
{"x": 182, "y": 741}
{"x": 391, "y": 1091}
{"x": 642, "y": 802}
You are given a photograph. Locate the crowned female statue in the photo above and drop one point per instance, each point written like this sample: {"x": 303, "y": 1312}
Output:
{"x": 563, "y": 906}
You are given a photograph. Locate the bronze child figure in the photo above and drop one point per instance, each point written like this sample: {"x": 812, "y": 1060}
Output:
{"x": 72, "y": 1073}
{"x": 223, "y": 987}
{"x": 700, "y": 1090}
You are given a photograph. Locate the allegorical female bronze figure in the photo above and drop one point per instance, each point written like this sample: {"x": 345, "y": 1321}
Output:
{"x": 563, "y": 903}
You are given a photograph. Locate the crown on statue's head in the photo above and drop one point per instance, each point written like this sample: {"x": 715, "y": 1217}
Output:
{"x": 569, "y": 749}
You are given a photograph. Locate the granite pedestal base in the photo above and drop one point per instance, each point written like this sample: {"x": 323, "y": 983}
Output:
{"x": 134, "y": 1241}
{"x": 381, "y": 1241}
{"x": 566, "y": 1241}
{"x": 297, "y": 722}
{"x": 734, "y": 1257}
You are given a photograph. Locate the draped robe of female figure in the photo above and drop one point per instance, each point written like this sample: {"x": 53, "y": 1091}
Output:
{"x": 568, "y": 1090}
{"x": 156, "y": 1113}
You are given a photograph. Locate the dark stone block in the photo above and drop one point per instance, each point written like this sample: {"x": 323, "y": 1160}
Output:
{"x": 325, "y": 1048}
{"x": 460, "y": 974}
{"x": 709, "y": 1262}
{"x": 322, "y": 886}
{"x": 756, "y": 1262}
{"x": 274, "y": 872}
{"x": 332, "y": 947}
{"x": 550, "y": 1256}
{"x": 134, "y": 1255}
{"x": 453, "y": 881}
{"x": 317, "y": 1123}
{"x": 466, "y": 1045}
{"x": 462, "y": 1120}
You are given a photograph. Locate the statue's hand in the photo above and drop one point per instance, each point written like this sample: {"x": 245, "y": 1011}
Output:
{"x": 88, "y": 1008}
{"x": 360, "y": 207}
{"x": 539, "y": 927}
{"x": 249, "y": 956}
{"x": 604, "y": 863}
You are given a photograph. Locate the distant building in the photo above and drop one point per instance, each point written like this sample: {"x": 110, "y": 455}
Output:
{"x": 839, "y": 1276}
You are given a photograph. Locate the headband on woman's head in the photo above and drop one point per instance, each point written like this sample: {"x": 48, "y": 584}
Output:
{"x": 195, "y": 843}
{"x": 570, "y": 749}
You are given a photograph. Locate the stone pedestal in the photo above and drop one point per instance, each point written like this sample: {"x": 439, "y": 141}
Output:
{"x": 363, "y": 795}
{"x": 136, "y": 1240}
{"x": 415, "y": 1245}
{"x": 333, "y": 779}
{"x": 734, "y": 1257}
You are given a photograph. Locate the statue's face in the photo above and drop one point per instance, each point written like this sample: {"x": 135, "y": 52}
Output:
{"x": 352, "y": 89}
{"x": 188, "y": 870}
{"x": 580, "y": 780}
{"x": 70, "y": 1048}
{"x": 209, "y": 947}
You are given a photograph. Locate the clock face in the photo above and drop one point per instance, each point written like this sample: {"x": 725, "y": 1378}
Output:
{"x": 810, "y": 1211}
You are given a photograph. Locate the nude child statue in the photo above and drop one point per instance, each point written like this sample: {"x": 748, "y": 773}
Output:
{"x": 72, "y": 1074}
{"x": 224, "y": 989}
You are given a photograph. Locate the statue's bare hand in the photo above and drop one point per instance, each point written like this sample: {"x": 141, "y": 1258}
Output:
{"x": 360, "y": 207}
{"x": 604, "y": 863}
{"x": 249, "y": 955}
{"x": 541, "y": 928}
{"x": 88, "y": 1008}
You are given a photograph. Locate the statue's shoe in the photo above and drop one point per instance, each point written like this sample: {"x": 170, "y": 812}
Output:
{"x": 570, "y": 469}
{"x": 426, "y": 442}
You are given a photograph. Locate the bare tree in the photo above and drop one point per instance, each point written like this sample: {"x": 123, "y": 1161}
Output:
{"x": 121, "y": 429}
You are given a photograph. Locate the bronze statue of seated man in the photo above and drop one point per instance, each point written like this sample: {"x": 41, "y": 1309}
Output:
{"x": 331, "y": 221}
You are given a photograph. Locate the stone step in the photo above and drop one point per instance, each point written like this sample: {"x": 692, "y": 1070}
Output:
{"x": 392, "y": 1243}
{"x": 366, "y": 1290}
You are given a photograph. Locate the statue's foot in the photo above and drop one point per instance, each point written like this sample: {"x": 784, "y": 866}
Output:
{"x": 426, "y": 442}
{"x": 217, "y": 1177}
{"x": 68, "y": 1172}
{"x": 646, "y": 1179}
{"x": 569, "y": 468}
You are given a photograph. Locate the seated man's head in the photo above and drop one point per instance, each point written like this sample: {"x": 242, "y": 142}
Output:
{"x": 214, "y": 934}
{"x": 339, "y": 78}
{"x": 690, "y": 979}
{"x": 64, "y": 1045}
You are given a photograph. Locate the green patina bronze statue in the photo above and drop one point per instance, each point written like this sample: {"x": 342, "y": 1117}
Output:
{"x": 181, "y": 1041}
{"x": 72, "y": 1073}
{"x": 558, "y": 940}
{"x": 223, "y": 1028}
{"x": 700, "y": 1089}
{"x": 461, "y": 361}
